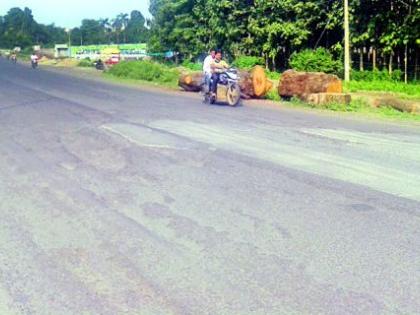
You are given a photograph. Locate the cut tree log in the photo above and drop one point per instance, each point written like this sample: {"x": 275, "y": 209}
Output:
{"x": 402, "y": 105}
{"x": 191, "y": 82}
{"x": 299, "y": 84}
{"x": 327, "y": 98}
{"x": 253, "y": 83}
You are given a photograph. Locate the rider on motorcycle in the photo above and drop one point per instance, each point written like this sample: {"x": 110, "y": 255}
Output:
{"x": 218, "y": 66}
{"x": 207, "y": 67}
{"x": 34, "y": 59}
{"x": 13, "y": 57}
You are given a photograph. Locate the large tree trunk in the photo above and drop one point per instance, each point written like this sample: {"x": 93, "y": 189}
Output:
{"x": 274, "y": 63}
{"x": 391, "y": 55}
{"x": 266, "y": 62}
{"x": 300, "y": 84}
{"x": 406, "y": 64}
{"x": 409, "y": 106}
{"x": 191, "y": 82}
{"x": 374, "y": 59}
{"x": 254, "y": 83}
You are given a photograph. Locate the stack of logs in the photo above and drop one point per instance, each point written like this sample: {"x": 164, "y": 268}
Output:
{"x": 312, "y": 87}
{"x": 253, "y": 83}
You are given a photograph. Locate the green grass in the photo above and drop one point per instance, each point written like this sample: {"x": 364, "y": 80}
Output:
{"x": 273, "y": 95}
{"x": 133, "y": 82}
{"x": 194, "y": 66}
{"x": 410, "y": 90}
{"x": 146, "y": 71}
{"x": 360, "y": 107}
{"x": 273, "y": 75}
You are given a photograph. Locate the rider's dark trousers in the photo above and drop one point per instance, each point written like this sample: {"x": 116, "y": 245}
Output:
{"x": 215, "y": 79}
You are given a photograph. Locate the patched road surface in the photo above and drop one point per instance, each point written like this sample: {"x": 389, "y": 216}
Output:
{"x": 115, "y": 200}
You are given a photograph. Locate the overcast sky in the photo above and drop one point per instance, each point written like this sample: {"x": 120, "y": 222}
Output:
{"x": 69, "y": 13}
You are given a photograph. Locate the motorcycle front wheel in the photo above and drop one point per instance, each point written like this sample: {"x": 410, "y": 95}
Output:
{"x": 233, "y": 95}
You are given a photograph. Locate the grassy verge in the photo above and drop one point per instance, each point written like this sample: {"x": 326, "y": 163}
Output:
{"x": 360, "y": 107}
{"x": 146, "y": 71}
{"x": 410, "y": 90}
{"x": 85, "y": 63}
{"x": 134, "y": 82}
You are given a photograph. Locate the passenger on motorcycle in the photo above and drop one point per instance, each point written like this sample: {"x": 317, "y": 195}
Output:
{"x": 34, "y": 57}
{"x": 207, "y": 67}
{"x": 218, "y": 66}
{"x": 34, "y": 60}
{"x": 13, "y": 57}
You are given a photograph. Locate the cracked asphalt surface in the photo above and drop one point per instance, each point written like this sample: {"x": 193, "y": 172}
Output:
{"x": 116, "y": 200}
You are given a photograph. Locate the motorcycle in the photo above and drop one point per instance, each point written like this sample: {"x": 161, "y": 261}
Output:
{"x": 34, "y": 63}
{"x": 13, "y": 58}
{"x": 228, "y": 90}
{"x": 99, "y": 65}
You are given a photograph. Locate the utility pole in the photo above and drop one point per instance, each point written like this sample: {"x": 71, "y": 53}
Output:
{"x": 346, "y": 42}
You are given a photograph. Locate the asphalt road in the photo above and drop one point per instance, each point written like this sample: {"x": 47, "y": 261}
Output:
{"x": 115, "y": 200}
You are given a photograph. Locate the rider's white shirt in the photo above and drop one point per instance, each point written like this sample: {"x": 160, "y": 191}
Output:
{"x": 207, "y": 64}
{"x": 34, "y": 57}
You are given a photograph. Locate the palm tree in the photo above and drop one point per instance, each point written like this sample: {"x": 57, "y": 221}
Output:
{"x": 124, "y": 20}
{"x": 107, "y": 26}
{"x": 117, "y": 25}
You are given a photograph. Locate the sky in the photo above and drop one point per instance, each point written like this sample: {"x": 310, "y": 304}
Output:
{"x": 69, "y": 13}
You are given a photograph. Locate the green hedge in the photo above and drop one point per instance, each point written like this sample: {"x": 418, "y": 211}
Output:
{"x": 376, "y": 75}
{"x": 145, "y": 70}
{"x": 319, "y": 60}
{"x": 195, "y": 66}
{"x": 85, "y": 63}
{"x": 247, "y": 62}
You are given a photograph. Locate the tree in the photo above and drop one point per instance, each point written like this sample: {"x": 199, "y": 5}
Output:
{"x": 107, "y": 28}
{"x": 136, "y": 29}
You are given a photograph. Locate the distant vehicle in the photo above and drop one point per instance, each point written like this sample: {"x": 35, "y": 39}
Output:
{"x": 113, "y": 60}
{"x": 99, "y": 65}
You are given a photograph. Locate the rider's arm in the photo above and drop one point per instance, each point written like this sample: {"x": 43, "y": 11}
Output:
{"x": 217, "y": 67}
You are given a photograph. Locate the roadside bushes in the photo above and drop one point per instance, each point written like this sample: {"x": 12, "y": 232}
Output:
{"x": 85, "y": 63}
{"x": 411, "y": 90}
{"x": 248, "y": 62}
{"x": 194, "y": 66}
{"x": 146, "y": 71}
{"x": 376, "y": 75}
{"x": 319, "y": 60}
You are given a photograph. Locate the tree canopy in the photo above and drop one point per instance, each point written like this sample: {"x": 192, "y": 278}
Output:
{"x": 274, "y": 29}
{"x": 19, "y": 28}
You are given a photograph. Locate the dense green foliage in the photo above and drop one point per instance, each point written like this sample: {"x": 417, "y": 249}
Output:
{"x": 19, "y": 28}
{"x": 315, "y": 60}
{"x": 376, "y": 75}
{"x": 410, "y": 90}
{"x": 85, "y": 63}
{"x": 274, "y": 29}
{"x": 146, "y": 71}
{"x": 247, "y": 62}
{"x": 195, "y": 66}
